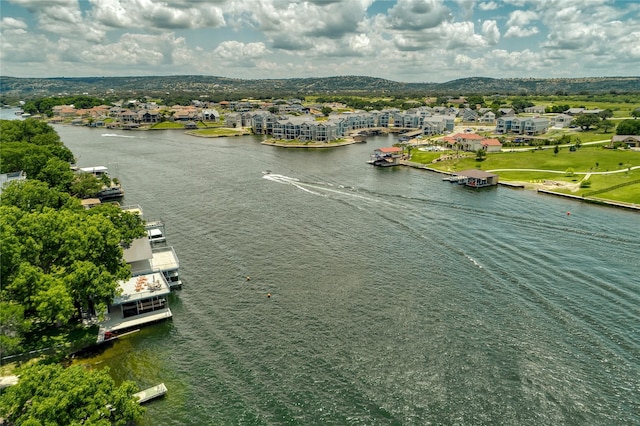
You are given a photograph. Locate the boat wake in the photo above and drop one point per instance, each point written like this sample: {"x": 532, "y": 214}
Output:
{"x": 288, "y": 181}
{"x": 323, "y": 189}
{"x": 474, "y": 261}
{"x": 114, "y": 135}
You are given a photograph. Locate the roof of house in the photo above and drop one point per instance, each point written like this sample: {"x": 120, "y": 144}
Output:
{"x": 493, "y": 142}
{"x": 474, "y": 173}
{"x": 389, "y": 150}
{"x": 468, "y": 136}
{"x": 620, "y": 138}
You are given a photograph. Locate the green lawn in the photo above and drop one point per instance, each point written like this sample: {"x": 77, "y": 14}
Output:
{"x": 168, "y": 125}
{"x": 588, "y": 159}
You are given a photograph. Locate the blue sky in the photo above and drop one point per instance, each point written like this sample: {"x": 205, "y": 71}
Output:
{"x": 401, "y": 40}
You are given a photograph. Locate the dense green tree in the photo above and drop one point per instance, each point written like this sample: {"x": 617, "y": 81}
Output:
{"x": 606, "y": 113}
{"x": 33, "y": 195}
{"x": 13, "y": 327}
{"x": 28, "y": 145}
{"x": 326, "y": 111}
{"x": 54, "y": 395}
{"x": 586, "y": 121}
{"x": 59, "y": 263}
{"x": 475, "y": 100}
{"x": 635, "y": 113}
{"x": 628, "y": 127}
{"x": 520, "y": 104}
{"x": 57, "y": 174}
{"x": 557, "y": 108}
{"x": 130, "y": 226}
{"x": 85, "y": 185}
{"x": 605, "y": 125}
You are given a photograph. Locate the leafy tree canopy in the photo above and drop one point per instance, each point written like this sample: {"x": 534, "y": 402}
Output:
{"x": 28, "y": 145}
{"x": 628, "y": 127}
{"x": 585, "y": 121}
{"x": 57, "y": 264}
{"x": 34, "y": 196}
{"x": 53, "y": 395}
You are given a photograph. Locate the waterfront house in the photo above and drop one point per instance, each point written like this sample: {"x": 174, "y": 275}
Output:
{"x": 112, "y": 189}
{"x": 468, "y": 141}
{"x": 141, "y": 301}
{"x": 386, "y": 156}
{"x": 146, "y": 260}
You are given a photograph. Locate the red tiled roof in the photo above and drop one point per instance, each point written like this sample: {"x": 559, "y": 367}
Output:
{"x": 467, "y": 136}
{"x": 389, "y": 150}
{"x": 493, "y": 142}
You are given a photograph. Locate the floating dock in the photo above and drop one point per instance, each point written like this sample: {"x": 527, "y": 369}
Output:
{"x": 151, "y": 393}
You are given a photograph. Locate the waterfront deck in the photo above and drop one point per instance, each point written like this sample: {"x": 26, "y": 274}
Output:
{"x": 141, "y": 302}
{"x": 116, "y": 323}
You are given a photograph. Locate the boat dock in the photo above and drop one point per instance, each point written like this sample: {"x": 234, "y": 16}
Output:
{"x": 151, "y": 393}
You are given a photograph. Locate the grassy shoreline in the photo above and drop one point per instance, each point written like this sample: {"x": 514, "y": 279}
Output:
{"x": 614, "y": 175}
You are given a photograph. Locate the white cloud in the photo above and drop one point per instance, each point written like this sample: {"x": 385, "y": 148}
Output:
{"x": 491, "y": 32}
{"x": 9, "y": 23}
{"x": 417, "y": 14}
{"x": 156, "y": 14}
{"x": 234, "y": 49}
{"x": 521, "y": 17}
{"x": 420, "y": 40}
{"x": 491, "y": 5}
{"x": 520, "y": 32}
{"x": 518, "y": 20}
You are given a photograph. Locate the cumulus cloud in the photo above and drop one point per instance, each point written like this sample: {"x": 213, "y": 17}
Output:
{"x": 491, "y": 5}
{"x": 521, "y": 17}
{"x": 518, "y": 20}
{"x": 8, "y": 23}
{"x": 426, "y": 40}
{"x": 307, "y": 19}
{"x": 236, "y": 49}
{"x": 491, "y": 32}
{"x": 520, "y": 32}
{"x": 156, "y": 14}
{"x": 418, "y": 15}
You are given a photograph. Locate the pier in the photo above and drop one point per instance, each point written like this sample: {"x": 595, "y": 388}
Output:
{"x": 151, "y": 393}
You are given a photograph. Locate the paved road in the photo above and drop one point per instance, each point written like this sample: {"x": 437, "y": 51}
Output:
{"x": 559, "y": 171}
{"x": 531, "y": 148}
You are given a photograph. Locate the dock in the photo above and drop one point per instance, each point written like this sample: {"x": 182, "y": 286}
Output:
{"x": 151, "y": 393}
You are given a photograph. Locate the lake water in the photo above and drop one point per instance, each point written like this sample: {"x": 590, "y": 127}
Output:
{"x": 397, "y": 298}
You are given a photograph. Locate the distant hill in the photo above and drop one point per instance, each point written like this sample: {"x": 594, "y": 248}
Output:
{"x": 206, "y": 85}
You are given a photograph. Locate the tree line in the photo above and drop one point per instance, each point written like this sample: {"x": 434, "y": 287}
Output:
{"x": 59, "y": 264}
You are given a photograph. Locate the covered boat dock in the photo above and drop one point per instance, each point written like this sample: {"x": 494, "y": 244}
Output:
{"x": 476, "y": 178}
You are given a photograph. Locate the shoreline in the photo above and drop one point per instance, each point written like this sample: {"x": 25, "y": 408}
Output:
{"x": 274, "y": 142}
{"x": 522, "y": 185}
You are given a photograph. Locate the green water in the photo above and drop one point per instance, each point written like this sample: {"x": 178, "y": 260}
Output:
{"x": 397, "y": 298}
